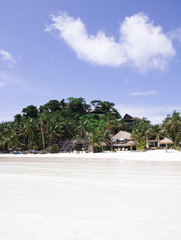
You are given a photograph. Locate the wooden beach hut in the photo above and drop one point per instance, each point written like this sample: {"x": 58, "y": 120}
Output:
{"x": 129, "y": 119}
{"x": 121, "y": 139}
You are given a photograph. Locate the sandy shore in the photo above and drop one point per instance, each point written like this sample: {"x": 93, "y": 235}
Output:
{"x": 125, "y": 195}
{"x": 151, "y": 155}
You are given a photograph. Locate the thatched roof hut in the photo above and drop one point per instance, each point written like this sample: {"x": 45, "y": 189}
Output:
{"x": 166, "y": 141}
{"x": 131, "y": 144}
{"x": 122, "y": 135}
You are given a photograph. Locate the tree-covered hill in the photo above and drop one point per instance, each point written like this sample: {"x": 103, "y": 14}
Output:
{"x": 35, "y": 128}
{"x": 38, "y": 128}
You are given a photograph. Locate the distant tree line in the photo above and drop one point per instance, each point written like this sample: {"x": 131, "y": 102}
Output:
{"x": 35, "y": 129}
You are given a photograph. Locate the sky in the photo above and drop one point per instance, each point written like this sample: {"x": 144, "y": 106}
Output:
{"x": 124, "y": 51}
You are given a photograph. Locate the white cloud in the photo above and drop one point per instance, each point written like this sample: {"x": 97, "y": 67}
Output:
{"x": 2, "y": 84}
{"x": 175, "y": 34}
{"x": 6, "y": 80}
{"x": 156, "y": 114}
{"x": 141, "y": 44}
{"x": 145, "y": 93}
{"x": 6, "y": 56}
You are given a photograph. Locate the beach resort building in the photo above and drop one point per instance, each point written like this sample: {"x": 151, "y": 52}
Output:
{"x": 120, "y": 140}
{"x": 129, "y": 119}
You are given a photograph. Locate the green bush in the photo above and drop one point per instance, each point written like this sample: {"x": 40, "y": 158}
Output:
{"x": 140, "y": 146}
{"x": 54, "y": 149}
{"x": 176, "y": 148}
{"x": 35, "y": 148}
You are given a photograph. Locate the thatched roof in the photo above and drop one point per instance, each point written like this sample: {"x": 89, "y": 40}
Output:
{"x": 166, "y": 141}
{"x": 122, "y": 135}
{"x": 130, "y": 143}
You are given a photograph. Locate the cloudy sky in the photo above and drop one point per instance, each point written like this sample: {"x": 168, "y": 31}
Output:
{"x": 127, "y": 52}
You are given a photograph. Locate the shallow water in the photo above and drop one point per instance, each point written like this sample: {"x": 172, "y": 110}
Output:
{"x": 90, "y": 199}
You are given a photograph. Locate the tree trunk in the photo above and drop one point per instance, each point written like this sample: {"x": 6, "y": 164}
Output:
{"x": 42, "y": 135}
{"x": 29, "y": 145}
{"x": 147, "y": 146}
{"x": 158, "y": 142}
{"x": 110, "y": 140}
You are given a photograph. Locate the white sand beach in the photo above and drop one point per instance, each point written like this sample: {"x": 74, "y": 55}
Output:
{"x": 150, "y": 155}
{"x": 124, "y": 195}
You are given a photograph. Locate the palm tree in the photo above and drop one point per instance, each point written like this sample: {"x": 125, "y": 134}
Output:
{"x": 82, "y": 128}
{"x": 111, "y": 126}
{"x": 42, "y": 127}
{"x": 157, "y": 131}
{"x": 5, "y": 140}
{"x": 30, "y": 128}
{"x": 141, "y": 132}
{"x": 173, "y": 127}
{"x": 99, "y": 139}
{"x": 55, "y": 129}
{"x": 120, "y": 125}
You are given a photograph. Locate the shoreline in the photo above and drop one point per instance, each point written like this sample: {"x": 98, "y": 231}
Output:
{"x": 150, "y": 155}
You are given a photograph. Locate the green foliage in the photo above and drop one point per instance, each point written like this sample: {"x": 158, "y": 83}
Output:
{"x": 78, "y": 105}
{"x": 62, "y": 103}
{"x": 54, "y": 149}
{"x": 30, "y": 111}
{"x": 35, "y": 148}
{"x": 172, "y": 124}
{"x": 55, "y": 121}
{"x": 99, "y": 140}
{"x": 176, "y": 148}
{"x": 141, "y": 145}
{"x": 106, "y": 107}
{"x": 141, "y": 131}
{"x": 52, "y": 106}
{"x": 157, "y": 131}
{"x": 17, "y": 117}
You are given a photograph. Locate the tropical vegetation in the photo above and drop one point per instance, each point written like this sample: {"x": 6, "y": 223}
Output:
{"x": 39, "y": 128}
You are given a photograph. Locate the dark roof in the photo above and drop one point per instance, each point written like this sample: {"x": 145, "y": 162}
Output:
{"x": 128, "y": 118}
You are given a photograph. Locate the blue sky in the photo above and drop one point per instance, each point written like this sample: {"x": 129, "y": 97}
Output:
{"x": 127, "y": 52}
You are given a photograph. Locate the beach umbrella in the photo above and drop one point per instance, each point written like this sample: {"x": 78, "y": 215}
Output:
{"x": 166, "y": 141}
{"x": 131, "y": 144}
